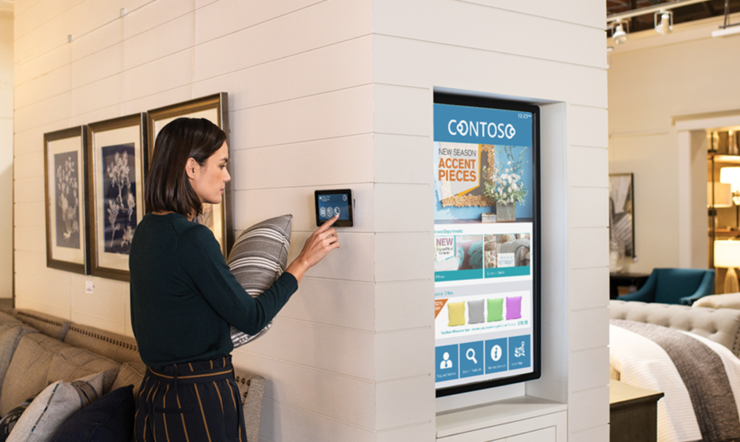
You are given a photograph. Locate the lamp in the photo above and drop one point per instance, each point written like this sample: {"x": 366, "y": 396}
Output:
{"x": 722, "y": 195}
{"x": 665, "y": 25}
{"x": 727, "y": 254}
{"x": 731, "y": 176}
{"x": 619, "y": 36}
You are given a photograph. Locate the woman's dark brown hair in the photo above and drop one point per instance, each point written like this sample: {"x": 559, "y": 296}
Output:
{"x": 167, "y": 185}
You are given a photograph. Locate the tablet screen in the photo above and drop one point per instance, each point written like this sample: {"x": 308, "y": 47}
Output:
{"x": 330, "y": 203}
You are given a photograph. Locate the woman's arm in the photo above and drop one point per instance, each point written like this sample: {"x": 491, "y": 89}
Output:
{"x": 317, "y": 246}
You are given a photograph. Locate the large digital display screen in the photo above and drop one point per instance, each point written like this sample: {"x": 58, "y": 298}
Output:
{"x": 486, "y": 243}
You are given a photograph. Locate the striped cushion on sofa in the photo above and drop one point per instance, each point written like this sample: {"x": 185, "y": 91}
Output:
{"x": 259, "y": 256}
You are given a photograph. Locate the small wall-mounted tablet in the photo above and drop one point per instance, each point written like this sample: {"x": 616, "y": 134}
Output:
{"x": 332, "y": 202}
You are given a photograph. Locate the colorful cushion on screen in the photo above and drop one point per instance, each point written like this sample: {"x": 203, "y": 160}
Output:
{"x": 259, "y": 256}
{"x": 476, "y": 312}
{"x": 456, "y": 312}
{"x": 513, "y": 307}
{"x": 54, "y": 405}
{"x": 9, "y": 420}
{"x": 495, "y": 309}
{"x": 469, "y": 255}
{"x": 109, "y": 419}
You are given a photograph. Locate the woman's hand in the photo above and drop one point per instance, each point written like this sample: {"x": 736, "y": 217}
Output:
{"x": 317, "y": 246}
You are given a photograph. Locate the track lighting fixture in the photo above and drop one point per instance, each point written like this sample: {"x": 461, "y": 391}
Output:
{"x": 663, "y": 21}
{"x": 619, "y": 35}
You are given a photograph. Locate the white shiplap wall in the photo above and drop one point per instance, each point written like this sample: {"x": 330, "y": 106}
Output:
{"x": 6, "y": 154}
{"x": 336, "y": 93}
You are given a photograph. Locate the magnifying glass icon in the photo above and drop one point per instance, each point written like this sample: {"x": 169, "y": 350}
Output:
{"x": 470, "y": 354}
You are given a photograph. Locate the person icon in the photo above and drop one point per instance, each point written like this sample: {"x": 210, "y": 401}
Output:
{"x": 446, "y": 362}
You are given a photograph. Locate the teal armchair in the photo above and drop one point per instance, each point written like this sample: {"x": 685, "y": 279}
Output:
{"x": 674, "y": 286}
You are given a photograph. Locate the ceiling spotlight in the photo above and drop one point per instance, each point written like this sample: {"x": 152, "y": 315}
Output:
{"x": 663, "y": 22}
{"x": 619, "y": 36}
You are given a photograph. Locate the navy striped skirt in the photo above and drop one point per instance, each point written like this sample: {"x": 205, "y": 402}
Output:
{"x": 190, "y": 402}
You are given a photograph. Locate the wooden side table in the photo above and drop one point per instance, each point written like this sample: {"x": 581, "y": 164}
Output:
{"x": 633, "y": 413}
{"x": 617, "y": 280}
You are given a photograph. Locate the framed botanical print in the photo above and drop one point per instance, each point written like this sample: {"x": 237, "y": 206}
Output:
{"x": 214, "y": 108}
{"x": 65, "y": 160}
{"x": 117, "y": 153}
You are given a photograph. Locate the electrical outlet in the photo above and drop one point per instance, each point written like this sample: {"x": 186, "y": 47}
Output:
{"x": 89, "y": 287}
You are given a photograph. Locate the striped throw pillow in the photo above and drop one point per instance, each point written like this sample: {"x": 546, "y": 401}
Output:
{"x": 259, "y": 256}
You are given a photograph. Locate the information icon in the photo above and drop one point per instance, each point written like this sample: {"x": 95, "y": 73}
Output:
{"x": 496, "y": 353}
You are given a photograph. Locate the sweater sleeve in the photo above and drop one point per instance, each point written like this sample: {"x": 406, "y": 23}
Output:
{"x": 200, "y": 257}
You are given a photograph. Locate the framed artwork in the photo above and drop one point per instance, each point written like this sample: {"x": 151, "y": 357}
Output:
{"x": 117, "y": 152}
{"x": 65, "y": 160}
{"x": 214, "y": 108}
{"x": 622, "y": 212}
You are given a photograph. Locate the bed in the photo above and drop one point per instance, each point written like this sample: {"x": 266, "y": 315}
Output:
{"x": 690, "y": 354}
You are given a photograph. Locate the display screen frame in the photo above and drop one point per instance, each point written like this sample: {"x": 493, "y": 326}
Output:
{"x": 535, "y": 262}
{"x": 340, "y": 222}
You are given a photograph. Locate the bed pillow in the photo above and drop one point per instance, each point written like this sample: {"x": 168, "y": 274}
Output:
{"x": 514, "y": 307}
{"x": 495, "y": 309}
{"x": 259, "y": 256}
{"x": 109, "y": 419}
{"x": 54, "y": 405}
{"x": 476, "y": 312}
{"x": 9, "y": 420}
{"x": 456, "y": 312}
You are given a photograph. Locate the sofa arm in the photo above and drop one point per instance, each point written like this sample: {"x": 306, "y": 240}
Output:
{"x": 646, "y": 293}
{"x": 251, "y": 390}
{"x": 705, "y": 288}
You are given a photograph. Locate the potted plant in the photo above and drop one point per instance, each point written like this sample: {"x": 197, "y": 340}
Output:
{"x": 505, "y": 185}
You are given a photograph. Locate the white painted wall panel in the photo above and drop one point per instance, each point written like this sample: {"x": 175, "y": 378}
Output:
{"x": 582, "y": 414}
{"x": 588, "y": 167}
{"x": 402, "y": 110}
{"x": 583, "y": 12}
{"x": 284, "y": 422}
{"x": 404, "y": 402}
{"x": 42, "y": 65}
{"x": 330, "y": 68}
{"x": 97, "y": 40}
{"x": 27, "y": 190}
{"x": 333, "y": 302}
{"x": 171, "y": 37}
{"x": 156, "y": 15}
{"x": 30, "y": 238}
{"x": 600, "y": 433}
{"x": 589, "y": 207}
{"x": 416, "y": 63}
{"x": 397, "y": 256}
{"x": 591, "y": 249}
{"x": 56, "y": 108}
{"x": 99, "y": 95}
{"x": 54, "y": 83}
{"x": 339, "y": 20}
{"x": 338, "y": 160}
{"x": 158, "y": 99}
{"x": 587, "y": 329}
{"x": 402, "y": 159}
{"x": 589, "y": 288}
{"x": 29, "y": 165}
{"x": 227, "y": 16}
{"x": 344, "y": 113}
{"x": 31, "y": 213}
{"x": 469, "y": 25}
{"x": 102, "y": 114}
{"x": 403, "y": 207}
{"x": 148, "y": 79}
{"x": 328, "y": 348}
{"x": 588, "y": 126}
{"x": 41, "y": 13}
{"x": 416, "y": 433}
{"x": 339, "y": 397}
{"x": 97, "y": 66}
{"x": 589, "y": 369}
{"x": 403, "y": 353}
{"x": 402, "y": 305}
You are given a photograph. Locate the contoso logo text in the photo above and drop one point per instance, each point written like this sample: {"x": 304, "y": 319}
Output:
{"x": 480, "y": 129}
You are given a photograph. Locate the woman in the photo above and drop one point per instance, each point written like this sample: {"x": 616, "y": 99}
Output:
{"x": 184, "y": 298}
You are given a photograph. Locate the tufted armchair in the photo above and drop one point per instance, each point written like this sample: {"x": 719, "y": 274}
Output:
{"x": 674, "y": 286}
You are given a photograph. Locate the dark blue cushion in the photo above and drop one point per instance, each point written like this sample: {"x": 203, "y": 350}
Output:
{"x": 109, "y": 419}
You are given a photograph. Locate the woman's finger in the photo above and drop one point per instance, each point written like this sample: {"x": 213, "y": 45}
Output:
{"x": 328, "y": 223}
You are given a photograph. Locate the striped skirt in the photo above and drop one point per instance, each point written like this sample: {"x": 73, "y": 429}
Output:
{"x": 190, "y": 402}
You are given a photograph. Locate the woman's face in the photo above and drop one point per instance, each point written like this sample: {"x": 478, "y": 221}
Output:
{"x": 209, "y": 180}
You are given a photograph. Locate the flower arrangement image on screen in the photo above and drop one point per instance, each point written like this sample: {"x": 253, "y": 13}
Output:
{"x": 119, "y": 182}
{"x": 483, "y": 244}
